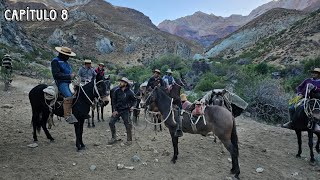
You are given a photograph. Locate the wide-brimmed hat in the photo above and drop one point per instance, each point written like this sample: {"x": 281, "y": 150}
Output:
{"x": 101, "y": 64}
{"x": 183, "y": 97}
{"x": 157, "y": 70}
{"x": 315, "y": 70}
{"x": 124, "y": 79}
{"x": 6, "y": 55}
{"x": 169, "y": 71}
{"x": 65, "y": 50}
{"x": 87, "y": 61}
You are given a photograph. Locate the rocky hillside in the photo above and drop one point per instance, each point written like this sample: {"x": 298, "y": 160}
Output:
{"x": 203, "y": 28}
{"x": 293, "y": 38}
{"x": 11, "y": 34}
{"x": 99, "y": 30}
{"x": 263, "y": 26}
{"x": 206, "y": 29}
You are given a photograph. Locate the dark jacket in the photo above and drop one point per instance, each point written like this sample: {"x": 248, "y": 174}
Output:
{"x": 61, "y": 70}
{"x": 153, "y": 82}
{"x": 122, "y": 100}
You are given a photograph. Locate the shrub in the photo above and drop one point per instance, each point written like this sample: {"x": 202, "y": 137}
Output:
{"x": 208, "y": 82}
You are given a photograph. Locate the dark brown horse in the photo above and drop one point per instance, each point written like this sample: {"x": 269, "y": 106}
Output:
{"x": 218, "y": 120}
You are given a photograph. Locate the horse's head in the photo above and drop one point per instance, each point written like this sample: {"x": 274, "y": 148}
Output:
{"x": 176, "y": 88}
{"x": 156, "y": 97}
{"x": 101, "y": 90}
{"x": 313, "y": 108}
{"x": 217, "y": 97}
{"x": 108, "y": 86}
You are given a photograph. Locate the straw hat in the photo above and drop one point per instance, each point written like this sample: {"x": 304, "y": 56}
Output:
{"x": 87, "y": 61}
{"x": 65, "y": 50}
{"x": 157, "y": 70}
{"x": 315, "y": 70}
{"x": 169, "y": 71}
{"x": 124, "y": 79}
{"x": 101, "y": 64}
{"x": 183, "y": 97}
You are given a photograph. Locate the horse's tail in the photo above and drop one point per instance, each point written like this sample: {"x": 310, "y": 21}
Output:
{"x": 234, "y": 138}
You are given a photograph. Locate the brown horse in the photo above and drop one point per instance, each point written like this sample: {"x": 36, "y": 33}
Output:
{"x": 217, "y": 120}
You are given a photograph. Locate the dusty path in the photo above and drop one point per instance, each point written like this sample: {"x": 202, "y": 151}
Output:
{"x": 269, "y": 147}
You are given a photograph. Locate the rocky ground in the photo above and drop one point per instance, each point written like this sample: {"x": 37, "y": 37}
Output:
{"x": 261, "y": 146}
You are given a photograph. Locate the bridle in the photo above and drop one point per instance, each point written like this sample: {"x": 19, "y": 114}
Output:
{"x": 95, "y": 90}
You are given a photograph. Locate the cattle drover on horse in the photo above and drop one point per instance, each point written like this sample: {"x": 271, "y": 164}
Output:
{"x": 45, "y": 100}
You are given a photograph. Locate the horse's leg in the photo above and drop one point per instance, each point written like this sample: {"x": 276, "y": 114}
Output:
{"x": 102, "y": 107}
{"x": 44, "y": 120}
{"x": 159, "y": 121}
{"x": 93, "y": 125}
{"x": 92, "y": 116}
{"x": 77, "y": 131}
{"x": 310, "y": 136}
{"x": 234, "y": 157}
{"x": 298, "y": 133}
{"x": 81, "y": 133}
{"x": 175, "y": 141}
{"x": 98, "y": 115}
{"x": 155, "y": 121}
{"x": 35, "y": 120}
{"x": 318, "y": 144}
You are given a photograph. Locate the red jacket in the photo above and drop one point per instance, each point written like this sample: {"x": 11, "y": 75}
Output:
{"x": 100, "y": 72}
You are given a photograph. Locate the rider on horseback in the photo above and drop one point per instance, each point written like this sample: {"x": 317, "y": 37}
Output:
{"x": 168, "y": 79}
{"x": 86, "y": 72}
{"x": 62, "y": 74}
{"x": 156, "y": 80}
{"x": 301, "y": 89}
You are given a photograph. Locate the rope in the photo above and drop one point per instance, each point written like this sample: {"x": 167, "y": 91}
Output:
{"x": 171, "y": 111}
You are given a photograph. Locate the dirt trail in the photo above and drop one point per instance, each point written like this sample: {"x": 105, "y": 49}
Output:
{"x": 269, "y": 147}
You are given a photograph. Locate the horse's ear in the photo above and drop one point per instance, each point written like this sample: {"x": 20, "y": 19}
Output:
{"x": 224, "y": 91}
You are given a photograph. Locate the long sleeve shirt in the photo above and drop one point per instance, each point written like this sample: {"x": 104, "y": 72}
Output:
{"x": 123, "y": 99}
{"x": 301, "y": 89}
{"x": 61, "y": 70}
{"x": 154, "y": 82}
{"x": 86, "y": 74}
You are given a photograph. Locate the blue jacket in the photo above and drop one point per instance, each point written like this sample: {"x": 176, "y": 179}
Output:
{"x": 61, "y": 70}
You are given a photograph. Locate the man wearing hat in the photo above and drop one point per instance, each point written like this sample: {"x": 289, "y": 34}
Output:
{"x": 122, "y": 102}
{"x": 100, "y": 69}
{"x": 155, "y": 80}
{"x": 301, "y": 90}
{"x": 86, "y": 72}
{"x": 62, "y": 74}
{"x": 168, "y": 79}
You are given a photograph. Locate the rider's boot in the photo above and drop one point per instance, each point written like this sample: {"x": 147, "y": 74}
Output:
{"x": 67, "y": 109}
{"x": 113, "y": 133}
{"x": 289, "y": 125}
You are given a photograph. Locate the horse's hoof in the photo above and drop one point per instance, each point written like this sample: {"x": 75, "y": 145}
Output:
{"x": 52, "y": 140}
{"x": 233, "y": 171}
{"x": 236, "y": 176}
{"x": 35, "y": 141}
{"x": 173, "y": 161}
{"x": 99, "y": 120}
{"x": 89, "y": 126}
{"x": 93, "y": 125}
{"x": 298, "y": 156}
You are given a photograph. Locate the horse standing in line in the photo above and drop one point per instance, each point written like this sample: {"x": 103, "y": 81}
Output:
{"x": 218, "y": 120}
{"x": 99, "y": 105}
{"x": 81, "y": 107}
{"x": 136, "y": 110}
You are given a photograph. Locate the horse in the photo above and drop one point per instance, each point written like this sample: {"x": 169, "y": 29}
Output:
{"x": 99, "y": 104}
{"x": 174, "y": 93}
{"x": 300, "y": 122}
{"x": 136, "y": 110}
{"x": 81, "y": 107}
{"x": 218, "y": 120}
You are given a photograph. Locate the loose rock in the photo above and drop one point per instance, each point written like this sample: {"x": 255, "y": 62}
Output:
{"x": 33, "y": 145}
{"x": 93, "y": 167}
{"x": 7, "y": 106}
{"x": 135, "y": 158}
{"x": 259, "y": 170}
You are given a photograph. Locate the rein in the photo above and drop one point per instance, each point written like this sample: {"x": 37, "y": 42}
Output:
{"x": 151, "y": 112}
{"x": 308, "y": 109}
{"x": 95, "y": 89}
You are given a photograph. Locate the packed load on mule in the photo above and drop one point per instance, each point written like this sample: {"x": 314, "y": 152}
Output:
{"x": 123, "y": 100}
{"x": 309, "y": 88}
{"x": 231, "y": 101}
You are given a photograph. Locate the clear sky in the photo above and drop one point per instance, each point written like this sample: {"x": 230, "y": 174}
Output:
{"x": 159, "y": 10}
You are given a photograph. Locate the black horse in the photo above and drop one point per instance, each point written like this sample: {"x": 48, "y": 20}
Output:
{"x": 81, "y": 107}
{"x": 300, "y": 123}
{"x": 99, "y": 105}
